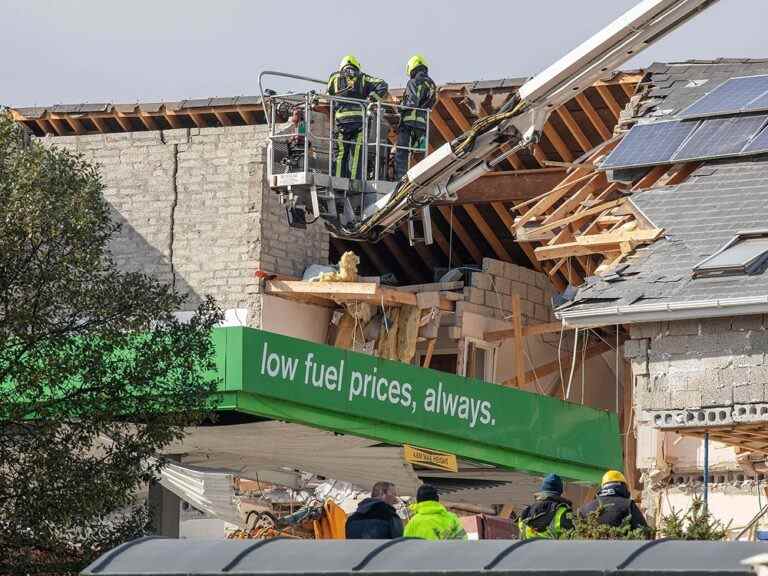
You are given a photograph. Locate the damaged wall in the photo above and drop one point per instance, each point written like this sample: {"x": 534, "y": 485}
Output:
{"x": 697, "y": 372}
{"x": 694, "y": 373}
{"x": 195, "y": 211}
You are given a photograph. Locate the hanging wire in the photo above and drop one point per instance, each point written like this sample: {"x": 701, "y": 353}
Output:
{"x": 560, "y": 360}
{"x": 583, "y": 363}
{"x": 573, "y": 363}
{"x": 618, "y": 367}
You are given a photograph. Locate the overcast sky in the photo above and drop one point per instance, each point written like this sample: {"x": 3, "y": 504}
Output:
{"x": 67, "y": 51}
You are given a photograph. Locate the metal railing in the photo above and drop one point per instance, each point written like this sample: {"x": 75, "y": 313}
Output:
{"x": 374, "y": 133}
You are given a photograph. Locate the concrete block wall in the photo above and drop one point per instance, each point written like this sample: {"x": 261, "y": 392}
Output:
{"x": 698, "y": 372}
{"x": 489, "y": 292}
{"x": 195, "y": 211}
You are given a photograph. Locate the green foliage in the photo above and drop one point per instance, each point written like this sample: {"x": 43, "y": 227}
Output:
{"x": 96, "y": 373}
{"x": 695, "y": 524}
{"x": 590, "y": 528}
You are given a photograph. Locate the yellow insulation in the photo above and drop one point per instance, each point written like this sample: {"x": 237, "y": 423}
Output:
{"x": 407, "y": 333}
{"x": 347, "y": 270}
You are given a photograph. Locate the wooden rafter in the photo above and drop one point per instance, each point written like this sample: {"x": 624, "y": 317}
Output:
{"x": 593, "y": 116}
{"x": 413, "y": 272}
{"x": 488, "y": 233}
{"x": 610, "y": 101}
{"x": 575, "y": 129}
{"x": 149, "y": 122}
{"x": 463, "y": 235}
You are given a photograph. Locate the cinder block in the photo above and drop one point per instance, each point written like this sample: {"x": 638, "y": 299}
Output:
{"x": 480, "y": 280}
{"x": 749, "y": 393}
{"x": 492, "y": 266}
{"x": 535, "y": 294}
{"x": 744, "y": 323}
{"x": 501, "y": 284}
{"x": 680, "y": 399}
{"x": 717, "y": 396}
{"x": 683, "y": 328}
{"x": 648, "y": 330}
{"x": 715, "y": 325}
{"x": 673, "y": 344}
{"x": 474, "y": 295}
{"x": 511, "y": 271}
{"x": 541, "y": 313}
{"x": 636, "y": 348}
{"x": 518, "y": 288}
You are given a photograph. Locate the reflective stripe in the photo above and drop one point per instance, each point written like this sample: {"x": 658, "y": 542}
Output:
{"x": 356, "y": 155}
{"x": 340, "y": 155}
{"x": 348, "y": 113}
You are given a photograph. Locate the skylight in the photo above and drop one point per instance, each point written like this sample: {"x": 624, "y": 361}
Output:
{"x": 744, "y": 254}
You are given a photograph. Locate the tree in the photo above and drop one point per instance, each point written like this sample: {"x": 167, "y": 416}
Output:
{"x": 695, "y": 524}
{"x": 96, "y": 373}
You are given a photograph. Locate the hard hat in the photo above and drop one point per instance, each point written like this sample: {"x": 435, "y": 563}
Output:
{"x": 349, "y": 60}
{"x": 613, "y": 476}
{"x": 414, "y": 62}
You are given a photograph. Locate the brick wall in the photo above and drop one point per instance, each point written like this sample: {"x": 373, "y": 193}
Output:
{"x": 195, "y": 211}
{"x": 695, "y": 372}
{"x": 490, "y": 292}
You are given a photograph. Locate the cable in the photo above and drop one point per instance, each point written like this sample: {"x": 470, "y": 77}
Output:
{"x": 583, "y": 364}
{"x": 618, "y": 367}
{"x": 573, "y": 363}
{"x": 560, "y": 360}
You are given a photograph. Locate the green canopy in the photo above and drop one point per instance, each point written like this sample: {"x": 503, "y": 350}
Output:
{"x": 282, "y": 378}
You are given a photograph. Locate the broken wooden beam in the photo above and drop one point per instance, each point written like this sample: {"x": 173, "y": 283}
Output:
{"x": 348, "y": 292}
{"x": 528, "y": 330}
{"x": 620, "y": 242}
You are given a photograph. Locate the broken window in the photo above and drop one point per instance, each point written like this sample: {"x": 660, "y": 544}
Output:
{"x": 746, "y": 253}
{"x": 480, "y": 360}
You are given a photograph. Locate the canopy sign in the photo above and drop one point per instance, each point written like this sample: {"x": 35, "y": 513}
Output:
{"x": 294, "y": 380}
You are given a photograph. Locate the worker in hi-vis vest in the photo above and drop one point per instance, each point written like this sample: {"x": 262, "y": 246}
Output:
{"x": 351, "y": 82}
{"x": 420, "y": 92}
{"x": 549, "y": 516}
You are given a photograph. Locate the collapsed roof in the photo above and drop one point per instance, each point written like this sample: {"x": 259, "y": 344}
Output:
{"x": 719, "y": 199}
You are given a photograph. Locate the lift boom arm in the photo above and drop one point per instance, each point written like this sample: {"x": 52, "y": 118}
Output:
{"x": 441, "y": 174}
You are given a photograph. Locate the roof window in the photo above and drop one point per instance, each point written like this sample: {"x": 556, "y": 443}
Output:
{"x": 745, "y": 253}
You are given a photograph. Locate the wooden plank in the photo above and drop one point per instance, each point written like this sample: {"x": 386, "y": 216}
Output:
{"x": 528, "y": 330}
{"x": 594, "y": 117}
{"x": 453, "y": 110}
{"x": 198, "y": 120}
{"x": 173, "y": 119}
{"x": 519, "y": 344}
{"x": 557, "y": 142}
{"x": 651, "y": 177}
{"x": 610, "y": 101}
{"x": 683, "y": 174}
{"x": 77, "y": 126}
{"x": 461, "y": 232}
{"x": 440, "y": 124}
{"x": 573, "y": 126}
{"x": 149, "y": 122}
{"x": 124, "y": 122}
{"x": 581, "y": 215}
{"x": 573, "y": 202}
{"x": 549, "y": 200}
{"x": 570, "y": 249}
{"x": 508, "y": 221}
{"x": 428, "y": 355}
{"x": 641, "y": 235}
{"x": 511, "y": 186}
{"x": 550, "y": 367}
{"x": 222, "y": 117}
{"x": 247, "y": 116}
{"x": 487, "y": 232}
{"x": 101, "y": 126}
{"x": 629, "y": 88}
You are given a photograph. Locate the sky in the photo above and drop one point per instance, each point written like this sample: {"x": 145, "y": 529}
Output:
{"x": 70, "y": 51}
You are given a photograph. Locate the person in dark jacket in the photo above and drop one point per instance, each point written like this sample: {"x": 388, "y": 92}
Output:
{"x": 549, "y": 516}
{"x": 615, "y": 503}
{"x": 420, "y": 92}
{"x": 375, "y": 517}
{"x": 351, "y": 82}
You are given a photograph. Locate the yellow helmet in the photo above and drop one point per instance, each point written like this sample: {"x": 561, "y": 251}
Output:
{"x": 350, "y": 60}
{"x": 613, "y": 476}
{"x": 414, "y": 62}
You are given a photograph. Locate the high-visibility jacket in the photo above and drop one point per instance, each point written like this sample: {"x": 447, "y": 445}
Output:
{"x": 431, "y": 521}
{"x": 547, "y": 518}
{"x": 420, "y": 92}
{"x": 351, "y": 83}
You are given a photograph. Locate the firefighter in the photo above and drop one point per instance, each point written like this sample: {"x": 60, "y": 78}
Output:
{"x": 614, "y": 503}
{"x": 420, "y": 92}
{"x": 351, "y": 82}
{"x": 549, "y": 516}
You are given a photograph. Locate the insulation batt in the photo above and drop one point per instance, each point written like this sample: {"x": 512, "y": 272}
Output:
{"x": 347, "y": 270}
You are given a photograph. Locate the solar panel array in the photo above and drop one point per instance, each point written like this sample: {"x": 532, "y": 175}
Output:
{"x": 687, "y": 140}
{"x": 734, "y": 96}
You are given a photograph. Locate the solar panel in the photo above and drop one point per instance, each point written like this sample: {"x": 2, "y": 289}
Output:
{"x": 758, "y": 104}
{"x": 717, "y": 137}
{"x": 648, "y": 144}
{"x": 759, "y": 144}
{"x": 732, "y": 96}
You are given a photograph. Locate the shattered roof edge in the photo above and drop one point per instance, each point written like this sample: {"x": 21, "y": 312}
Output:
{"x": 681, "y": 310}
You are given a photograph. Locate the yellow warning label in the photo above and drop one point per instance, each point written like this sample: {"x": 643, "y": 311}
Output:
{"x": 431, "y": 458}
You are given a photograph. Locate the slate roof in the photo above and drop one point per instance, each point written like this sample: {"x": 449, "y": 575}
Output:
{"x": 720, "y": 199}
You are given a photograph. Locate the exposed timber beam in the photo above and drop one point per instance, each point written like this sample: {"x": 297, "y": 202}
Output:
{"x": 517, "y": 186}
